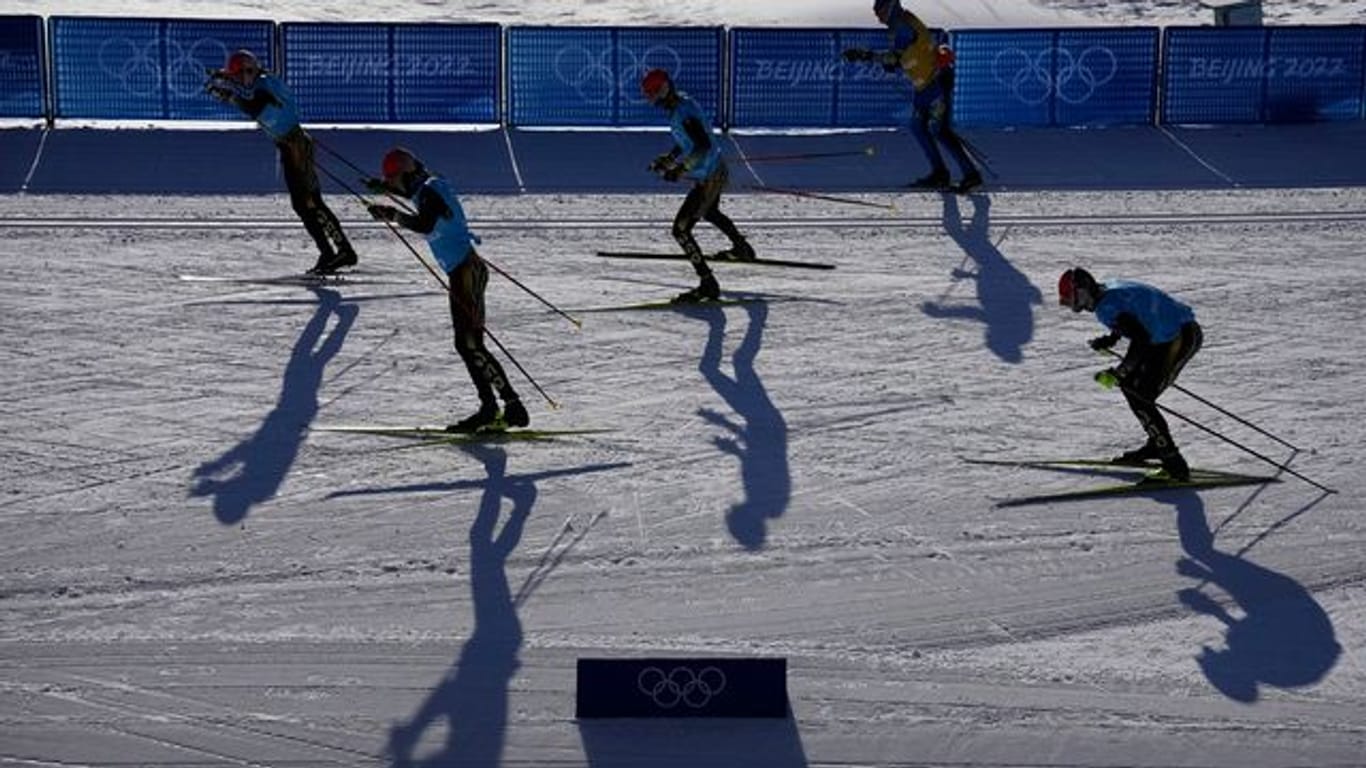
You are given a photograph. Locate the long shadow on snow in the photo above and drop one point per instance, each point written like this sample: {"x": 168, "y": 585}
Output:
{"x": 1284, "y": 638}
{"x": 252, "y": 471}
{"x": 1005, "y": 294}
{"x": 761, "y": 443}
{"x": 472, "y": 699}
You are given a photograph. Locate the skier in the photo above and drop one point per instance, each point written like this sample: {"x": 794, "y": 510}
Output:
{"x": 929, "y": 66}
{"x": 697, "y": 157}
{"x": 265, "y": 98}
{"x": 1163, "y": 336}
{"x": 441, "y": 219}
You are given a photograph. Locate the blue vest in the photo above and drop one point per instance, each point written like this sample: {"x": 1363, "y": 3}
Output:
{"x": 1157, "y": 312}
{"x": 686, "y": 109}
{"x": 278, "y": 120}
{"x": 450, "y": 239}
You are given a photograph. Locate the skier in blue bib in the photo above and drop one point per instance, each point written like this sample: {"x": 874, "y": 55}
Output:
{"x": 441, "y": 220}
{"x": 696, "y": 157}
{"x": 1163, "y": 336}
{"x": 265, "y": 98}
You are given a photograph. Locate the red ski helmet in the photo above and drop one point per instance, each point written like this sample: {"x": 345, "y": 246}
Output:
{"x": 397, "y": 162}
{"x": 242, "y": 63}
{"x": 1072, "y": 284}
{"x": 656, "y": 85}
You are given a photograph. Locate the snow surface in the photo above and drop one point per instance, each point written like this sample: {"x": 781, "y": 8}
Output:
{"x": 193, "y": 573}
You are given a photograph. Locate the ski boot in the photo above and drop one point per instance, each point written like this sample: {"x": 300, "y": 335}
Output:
{"x": 1174, "y": 465}
{"x": 741, "y": 251}
{"x": 481, "y": 420}
{"x": 936, "y": 179}
{"x": 1138, "y": 456}
{"x": 708, "y": 290}
{"x": 514, "y": 414}
{"x": 329, "y": 263}
{"x": 971, "y": 180}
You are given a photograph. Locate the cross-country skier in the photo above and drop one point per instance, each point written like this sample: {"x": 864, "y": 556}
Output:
{"x": 1163, "y": 336}
{"x": 697, "y": 157}
{"x": 441, "y": 219}
{"x": 265, "y": 98}
{"x": 929, "y": 67}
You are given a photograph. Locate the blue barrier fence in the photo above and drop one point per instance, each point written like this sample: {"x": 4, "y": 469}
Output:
{"x": 581, "y": 76}
{"x": 1256, "y": 75}
{"x": 21, "y": 67}
{"x": 114, "y": 68}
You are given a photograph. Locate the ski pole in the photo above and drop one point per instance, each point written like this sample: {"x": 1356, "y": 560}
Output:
{"x": 364, "y": 173}
{"x": 577, "y": 323}
{"x": 865, "y": 152}
{"x": 818, "y": 196}
{"x": 1233, "y": 416}
{"x": 981, "y": 156}
{"x": 1227, "y": 439}
{"x": 554, "y": 406}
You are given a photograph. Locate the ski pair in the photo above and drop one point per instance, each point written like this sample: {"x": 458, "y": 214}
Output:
{"x": 1152, "y": 479}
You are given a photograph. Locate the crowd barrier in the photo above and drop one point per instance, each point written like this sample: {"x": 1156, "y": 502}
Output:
{"x": 68, "y": 67}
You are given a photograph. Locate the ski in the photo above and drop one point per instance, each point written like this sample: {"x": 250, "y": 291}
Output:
{"x": 1147, "y": 485}
{"x": 439, "y": 434}
{"x": 304, "y": 280}
{"x": 1095, "y": 466}
{"x": 715, "y": 260}
{"x": 674, "y": 305}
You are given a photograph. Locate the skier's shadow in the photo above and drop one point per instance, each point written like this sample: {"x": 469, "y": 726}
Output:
{"x": 760, "y": 443}
{"x": 1284, "y": 638}
{"x": 472, "y": 700}
{"x": 252, "y": 471}
{"x": 1005, "y": 295}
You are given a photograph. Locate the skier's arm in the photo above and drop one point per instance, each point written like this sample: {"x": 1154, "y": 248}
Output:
{"x": 431, "y": 208}
{"x": 1127, "y": 325}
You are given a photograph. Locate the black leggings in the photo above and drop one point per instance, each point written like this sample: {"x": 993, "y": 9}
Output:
{"x": 1157, "y": 367}
{"x": 467, "y": 284}
{"x": 305, "y": 193}
{"x": 704, "y": 203}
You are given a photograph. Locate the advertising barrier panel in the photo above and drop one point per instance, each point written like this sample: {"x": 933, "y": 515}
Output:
{"x": 146, "y": 68}
{"x": 590, "y": 76}
{"x": 21, "y": 67}
{"x": 1039, "y": 77}
{"x": 1263, "y": 74}
{"x": 385, "y": 73}
{"x": 796, "y": 78}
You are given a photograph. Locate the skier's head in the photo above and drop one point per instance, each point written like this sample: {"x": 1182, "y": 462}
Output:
{"x": 886, "y": 10}
{"x": 242, "y": 66}
{"x": 1078, "y": 289}
{"x": 657, "y": 86}
{"x": 401, "y": 170}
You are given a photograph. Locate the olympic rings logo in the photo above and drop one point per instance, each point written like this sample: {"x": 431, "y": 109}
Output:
{"x": 591, "y": 76}
{"x": 1077, "y": 79}
{"x": 135, "y": 65}
{"x": 681, "y": 685}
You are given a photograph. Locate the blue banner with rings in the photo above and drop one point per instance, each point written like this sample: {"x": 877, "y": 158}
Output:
{"x": 21, "y": 67}
{"x": 796, "y": 78}
{"x": 384, "y": 73}
{"x": 146, "y": 68}
{"x": 1254, "y": 75}
{"x": 1084, "y": 76}
{"x": 582, "y": 76}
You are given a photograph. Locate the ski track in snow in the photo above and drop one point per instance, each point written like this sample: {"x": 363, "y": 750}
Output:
{"x": 191, "y": 576}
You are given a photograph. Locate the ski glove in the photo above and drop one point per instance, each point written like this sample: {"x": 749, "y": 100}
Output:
{"x": 659, "y": 164}
{"x": 219, "y": 91}
{"x": 857, "y": 54}
{"x": 1108, "y": 378}
{"x": 1102, "y": 343}
{"x": 673, "y": 172}
{"x": 382, "y": 212}
{"x": 375, "y": 186}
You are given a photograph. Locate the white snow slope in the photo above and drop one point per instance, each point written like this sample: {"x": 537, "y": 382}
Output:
{"x": 194, "y": 573}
